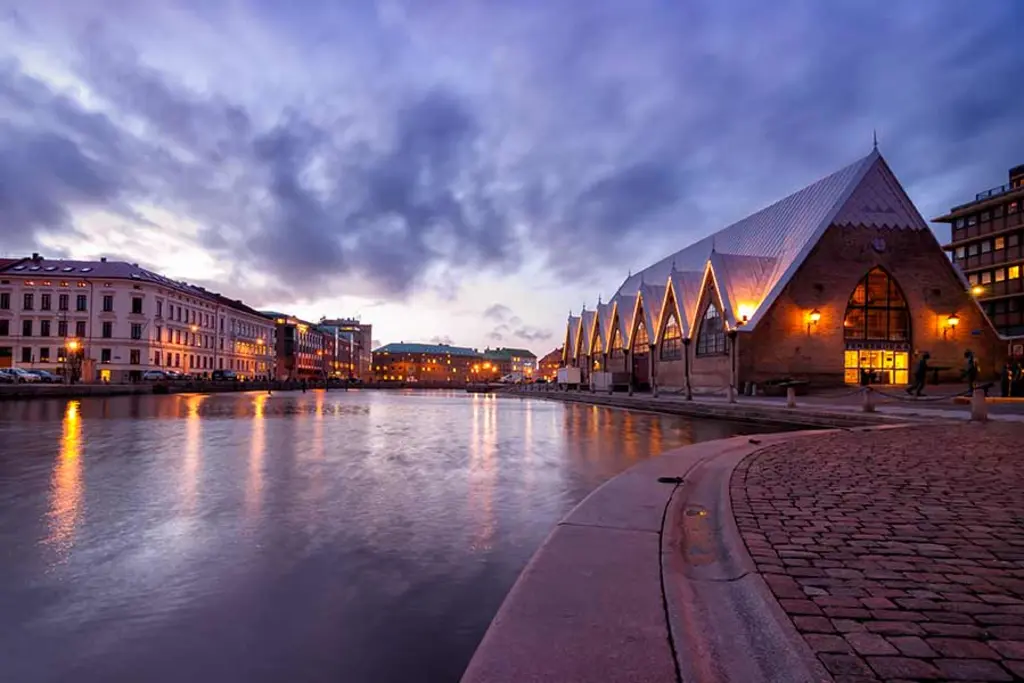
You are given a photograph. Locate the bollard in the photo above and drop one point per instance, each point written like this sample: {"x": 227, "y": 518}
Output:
{"x": 869, "y": 400}
{"x": 979, "y": 408}
{"x": 732, "y": 394}
{"x": 791, "y": 397}
{"x": 654, "y": 390}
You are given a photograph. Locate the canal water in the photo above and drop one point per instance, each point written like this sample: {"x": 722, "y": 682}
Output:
{"x": 360, "y": 536}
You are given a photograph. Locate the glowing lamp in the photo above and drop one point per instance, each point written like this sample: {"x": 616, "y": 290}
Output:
{"x": 73, "y": 344}
{"x": 977, "y": 290}
{"x": 745, "y": 313}
{"x": 953, "y": 320}
{"x": 814, "y": 316}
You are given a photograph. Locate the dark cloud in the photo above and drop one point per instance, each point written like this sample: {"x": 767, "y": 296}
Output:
{"x": 593, "y": 139}
{"x": 497, "y": 312}
{"x": 441, "y": 339}
{"x": 532, "y": 334}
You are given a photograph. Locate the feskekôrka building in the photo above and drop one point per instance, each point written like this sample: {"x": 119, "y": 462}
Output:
{"x": 838, "y": 283}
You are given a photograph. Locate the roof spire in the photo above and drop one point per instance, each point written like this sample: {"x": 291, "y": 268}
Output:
{"x": 673, "y": 265}
{"x": 629, "y": 273}
{"x": 598, "y": 299}
{"x": 874, "y": 137}
{"x": 584, "y": 306}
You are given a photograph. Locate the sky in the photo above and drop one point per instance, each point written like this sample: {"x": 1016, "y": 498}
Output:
{"x": 468, "y": 171}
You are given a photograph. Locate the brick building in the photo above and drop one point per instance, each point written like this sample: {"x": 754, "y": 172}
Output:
{"x": 304, "y": 351}
{"x": 549, "y": 364}
{"x": 987, "y": 245}
{"x": 840, "y": 281}
{"x": 427, "y": 363}
{"x": 506, "y": 361}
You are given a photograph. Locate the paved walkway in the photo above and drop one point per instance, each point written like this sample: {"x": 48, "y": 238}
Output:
{"x": 897, "y": 553}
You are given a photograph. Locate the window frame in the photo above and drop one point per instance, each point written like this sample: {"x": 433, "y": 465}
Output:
{"x": 712, "y": 339}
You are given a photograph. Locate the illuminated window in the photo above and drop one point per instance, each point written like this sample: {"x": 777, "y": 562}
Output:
{"x": 711, "y": 337}
{"x": 641, "y": 342}
{"x": 1000, "y": 243}
{"x": 877, "y": 310}
{"x": 986, "y": 277}
{"x": 1000, "y": 274}
{"x": 618, "y": 350}
{"x": 1012, "y": 208}
{"x": 1013, "y": 272}
{"x": 960, "y": 252}
{"x": 671, "y": 340}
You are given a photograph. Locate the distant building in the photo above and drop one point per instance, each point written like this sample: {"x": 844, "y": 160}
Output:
{"x": 549, "y": 364}
{"x": 434, "y": 363}
{"x": 355, "y": 346}
{"x": 987, "y": 246}
{"x": 509, "y": 361}
{"x": 304, "y": 351}
{"x": 120, "y": 320}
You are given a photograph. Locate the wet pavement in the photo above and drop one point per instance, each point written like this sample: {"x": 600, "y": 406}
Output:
{"x": 360, "y": 536}
{"x": 898, "y": 554}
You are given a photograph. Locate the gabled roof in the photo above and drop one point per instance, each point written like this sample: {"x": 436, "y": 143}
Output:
{"x": 572, "y": 327}
{"x": 651, "y": 299}
{"x": 624, "y": 305}
{"x": 583, "y": 333}
{"x": 686, "y": 290}
{"x": 503, "y": 353}
{"x": 603, "y": 321}
{"x": 777, "y": 239}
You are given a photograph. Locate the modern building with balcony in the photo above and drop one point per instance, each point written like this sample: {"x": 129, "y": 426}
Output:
{"x": 123, "y": 320}
{"x": 304, "y": 351}
{"x": 987, "y": 246}
{"x": 354, "y": 339}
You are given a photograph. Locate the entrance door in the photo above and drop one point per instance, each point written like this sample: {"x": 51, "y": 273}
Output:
{"x": 885, "y": 367}
{"x": 641, "y": 370}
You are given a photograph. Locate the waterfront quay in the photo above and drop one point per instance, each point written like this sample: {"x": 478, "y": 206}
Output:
{"x": 862, "y": 555}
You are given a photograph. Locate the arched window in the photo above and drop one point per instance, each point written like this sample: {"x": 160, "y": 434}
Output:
{"x": 711, "y": 338}
{"x": 877, "y": 310}
{"x": 672, "y": 339}
{"x": 618, "y": 351}
{"x": 641, "y": 342}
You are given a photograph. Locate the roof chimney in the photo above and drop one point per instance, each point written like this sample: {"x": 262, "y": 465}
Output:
{"x": 36, "y": 257}
{"x": 103, "y": 259}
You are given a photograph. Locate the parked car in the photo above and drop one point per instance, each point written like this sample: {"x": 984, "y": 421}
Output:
{"x": 224, "y": 376}
{"x": 6, "y": 377}
{"x": 154, "y": 375}
{"x": 46, "y": 377}
{"x": 22, "y": 375}
{"x": 175, "y": 376}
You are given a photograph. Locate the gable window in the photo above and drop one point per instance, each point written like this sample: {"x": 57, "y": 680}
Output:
{"x": 618, "y": 350}
{"x": 641, "y": 342}
{"x": 877, "y": 310}
{"x": 671, "y": 339}
{"x": 711, "y": 337}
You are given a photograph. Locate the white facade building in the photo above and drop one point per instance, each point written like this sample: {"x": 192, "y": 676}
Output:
{"x": 126, "y": 320}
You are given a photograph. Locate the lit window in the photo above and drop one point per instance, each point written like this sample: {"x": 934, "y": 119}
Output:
{"x": 671, "y": 340}
{"x": 1000, "y": 243}
{"x": 711, "y": 338}
{"x": 1000, "y": 274}
{"x": 1013, "y": 272}
{"x": 986, "y": 277}
{"x": 1012, "y": 208}
{"x": 960, "y": 252}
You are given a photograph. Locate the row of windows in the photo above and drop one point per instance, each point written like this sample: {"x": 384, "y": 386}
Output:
{"x": 45, "y": 302}
{"x": 45, "y": 328}
{"x": 1003, "y": 306}
{"x": 996, "y": 275}
{"x": 994, "y": 212}
{"x": 986, "y": 246}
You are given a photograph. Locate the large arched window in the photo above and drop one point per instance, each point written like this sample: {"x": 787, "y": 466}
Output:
{"x": 711, "y": 338}
{"x": 641, "y": 342}
{"x": 672, "y": 339}
{"x": 877, "y": 310}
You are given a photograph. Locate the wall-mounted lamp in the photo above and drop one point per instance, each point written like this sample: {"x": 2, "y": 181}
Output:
{"x": 977, "y": 290}
{"x": 745, "y": 313}
{"x": 951, "y": 323}
{"x": 812, "y": 319}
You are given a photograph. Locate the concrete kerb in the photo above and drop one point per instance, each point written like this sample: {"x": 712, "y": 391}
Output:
{"x": 594, "y": 604}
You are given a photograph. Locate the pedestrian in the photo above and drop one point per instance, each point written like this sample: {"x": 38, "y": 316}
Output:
{"x": 970, "y": 370}
{"x": 920, "y": 375}
{"x": 1005, "y": 379}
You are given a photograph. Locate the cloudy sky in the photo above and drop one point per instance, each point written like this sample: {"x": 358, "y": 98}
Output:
{"x": 469, "y": 170}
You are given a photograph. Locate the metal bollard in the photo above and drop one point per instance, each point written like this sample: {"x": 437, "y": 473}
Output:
{"x": 791, "y": 397}
{"x": 732, "y": 394}
{"x": 869, "y": 400}
{"x": 979, "y": 408}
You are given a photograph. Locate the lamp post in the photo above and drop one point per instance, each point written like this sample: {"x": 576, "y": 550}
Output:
{"x": 72, "y": 361}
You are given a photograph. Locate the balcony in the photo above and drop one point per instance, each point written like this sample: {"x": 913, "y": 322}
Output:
{"x": 994, "y": 192}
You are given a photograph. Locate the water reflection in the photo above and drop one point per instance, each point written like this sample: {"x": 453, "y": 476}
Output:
{"x": 66, "y": 484}
{"x": 235, "y": 537}
{"x": 257, "y": 448}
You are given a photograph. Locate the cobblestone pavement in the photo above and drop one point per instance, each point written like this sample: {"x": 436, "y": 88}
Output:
{"x": 899, "y": 553}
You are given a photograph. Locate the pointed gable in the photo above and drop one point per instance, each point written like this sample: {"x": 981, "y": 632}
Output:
{"x": 651, "y": 298}
{"x": 572, "y": 326}
{"x": 624, "y": 306}
{"x": 604, "y": 323}
{"x": 583, "y": 334}
{"x": 879, "y": 201}
{"x": 743, "y": 281}
{"x": 686, "y": 290}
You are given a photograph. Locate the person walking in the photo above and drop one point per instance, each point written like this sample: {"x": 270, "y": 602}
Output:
{"x": 970, "y": 370}
{"x": 920, "y": 375}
